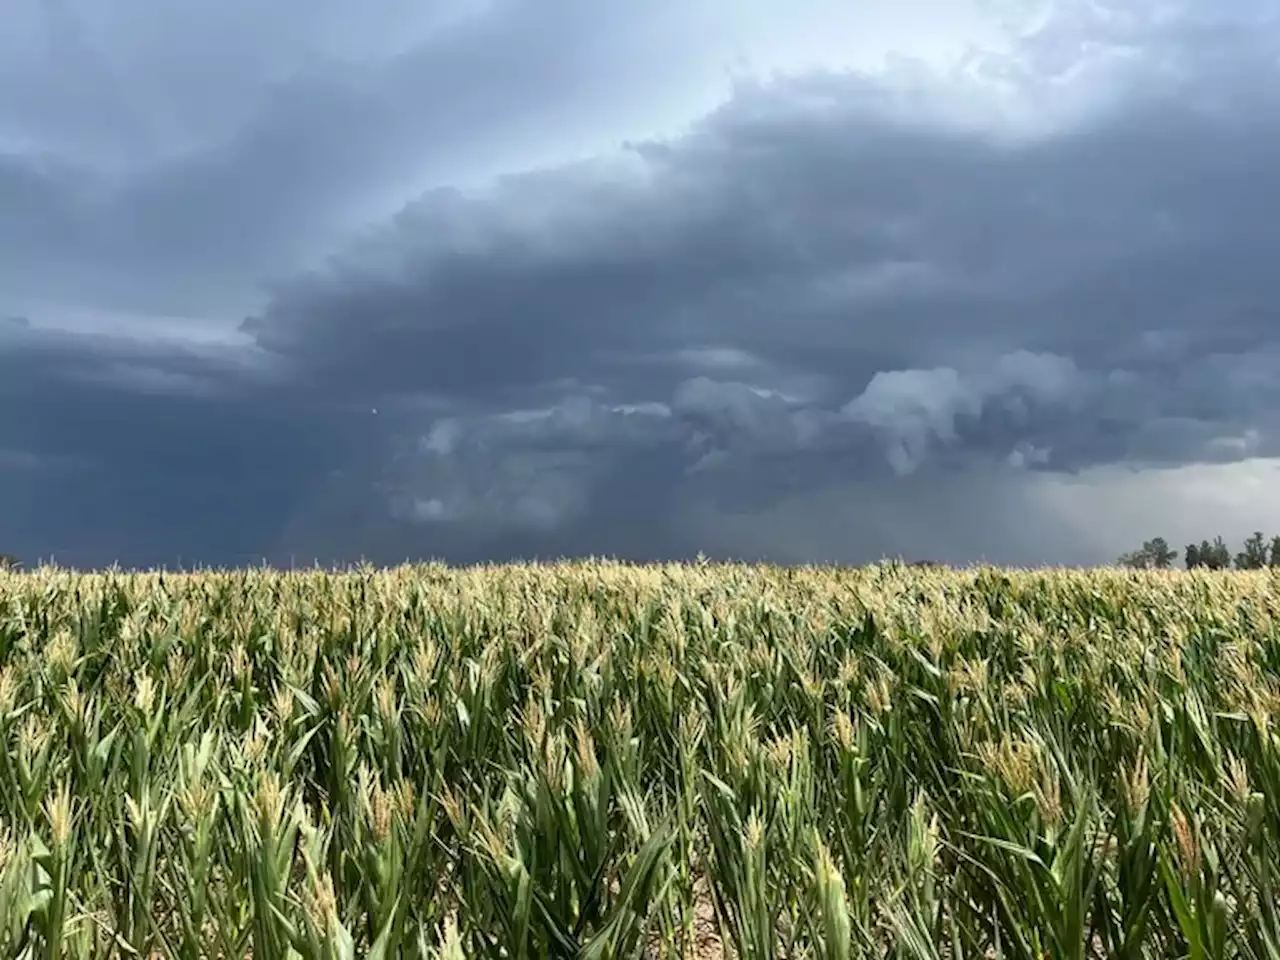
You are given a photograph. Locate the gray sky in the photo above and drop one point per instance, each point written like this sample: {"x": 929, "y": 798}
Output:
{"x": 823, "y": 280}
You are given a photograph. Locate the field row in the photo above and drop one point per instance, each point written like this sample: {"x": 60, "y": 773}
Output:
{"x": 598, "y": 760}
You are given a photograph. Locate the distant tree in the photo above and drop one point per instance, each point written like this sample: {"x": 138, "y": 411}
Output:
{"x": 1273, "y": 555}
{"x": 1162, "y": 555}
{"x": 1254, "y": 554}
{"x": 1210, "y": 556}
{"x": 1219, "y": 554}
{"x": 1155, "y": 554}
{"x": 1134, "y": 558}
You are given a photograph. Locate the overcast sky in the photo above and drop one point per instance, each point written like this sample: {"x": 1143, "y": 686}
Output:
{"x": 823, "y": 280}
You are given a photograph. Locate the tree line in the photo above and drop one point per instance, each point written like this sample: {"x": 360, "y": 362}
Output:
{"x": 1156, "y": 554}
{"x": 1256, "y": 553}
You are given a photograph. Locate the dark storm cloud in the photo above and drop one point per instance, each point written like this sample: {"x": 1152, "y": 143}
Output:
{"x": 148, "y": 454}
{"x": 872, "y": 289}
{"x": 156, "y": 165}
{"x": 836, "y": 289}
{"x": 805, "y": 226}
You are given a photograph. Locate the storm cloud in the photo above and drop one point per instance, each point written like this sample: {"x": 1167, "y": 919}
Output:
{"x": 492, "y": 280}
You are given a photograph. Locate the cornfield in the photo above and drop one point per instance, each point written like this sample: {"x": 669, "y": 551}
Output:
{"x": 599, "y": 761}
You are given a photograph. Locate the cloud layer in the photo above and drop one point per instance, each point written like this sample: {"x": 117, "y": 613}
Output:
{"x": 441, "y": 308}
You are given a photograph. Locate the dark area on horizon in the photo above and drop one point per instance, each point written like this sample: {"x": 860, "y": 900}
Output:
{"x": 1257, "y": 553}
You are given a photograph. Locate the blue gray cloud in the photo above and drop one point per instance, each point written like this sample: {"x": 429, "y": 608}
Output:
{"x": 470, "y": 280}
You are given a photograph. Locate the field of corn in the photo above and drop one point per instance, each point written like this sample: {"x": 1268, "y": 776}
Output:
{"x": 605, "y": 761}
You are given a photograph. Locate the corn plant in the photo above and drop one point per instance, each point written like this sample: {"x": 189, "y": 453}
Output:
{"x": 598, "y": 760}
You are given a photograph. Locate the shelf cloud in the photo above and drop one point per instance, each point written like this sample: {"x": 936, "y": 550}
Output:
{"x": 490, "y": 280}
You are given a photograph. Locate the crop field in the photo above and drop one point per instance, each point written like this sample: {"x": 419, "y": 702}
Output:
{"x": 602, "y": 761}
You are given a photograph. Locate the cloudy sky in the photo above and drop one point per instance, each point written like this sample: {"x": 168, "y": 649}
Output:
{"x": 823, "y": 280}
